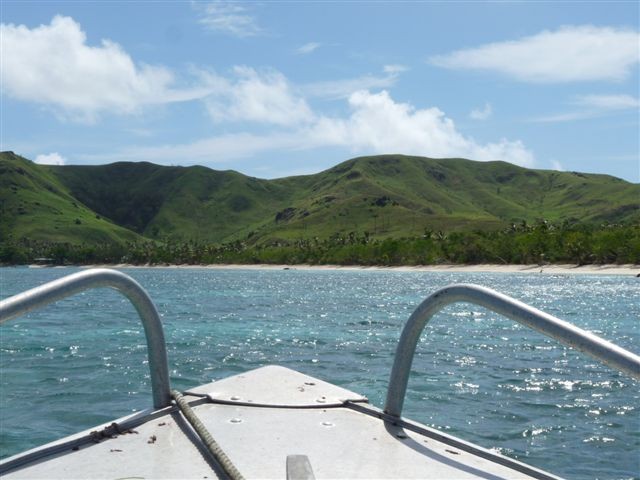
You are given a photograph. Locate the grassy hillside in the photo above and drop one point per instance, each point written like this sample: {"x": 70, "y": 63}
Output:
{"x": 387, "y": 196}
{"x": 395, "y": 195}
{"x": 35, "y": 205}
{"x": 185, "y": 203}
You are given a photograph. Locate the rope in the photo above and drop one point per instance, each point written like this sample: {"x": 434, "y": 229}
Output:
{"x": 206, "y": 437}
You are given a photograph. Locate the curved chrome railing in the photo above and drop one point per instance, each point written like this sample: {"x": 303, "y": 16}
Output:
{"x": 102, "y": 277}
{"x": 570, "y": 335}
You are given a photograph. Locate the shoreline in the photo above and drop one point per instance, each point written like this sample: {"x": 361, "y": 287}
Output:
{"x": 560, "y": 269}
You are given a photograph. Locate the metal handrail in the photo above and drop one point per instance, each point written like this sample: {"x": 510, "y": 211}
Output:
{"x": 96, "y": 278}
{"x": 566, "y": 333}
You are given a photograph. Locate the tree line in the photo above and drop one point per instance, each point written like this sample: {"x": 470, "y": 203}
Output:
{"x": 542, "y": 243}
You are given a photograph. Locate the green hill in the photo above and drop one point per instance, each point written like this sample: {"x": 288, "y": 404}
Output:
{"x": 386, "y": 196}
{"x": 36, "y": 205}
{"x": 395, "y": 195}
{"x": 186, "y": 203}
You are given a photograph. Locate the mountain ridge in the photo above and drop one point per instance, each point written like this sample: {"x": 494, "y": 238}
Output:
{"x": 385, "y": 195}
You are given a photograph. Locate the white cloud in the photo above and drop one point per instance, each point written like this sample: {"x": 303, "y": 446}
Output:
{"x": 344, "y": 88}
{"x": 264, "y": 97}
{"x": 376, "y": 124}
{"x": 50, "y": 159}
{"x": 308, "y": 48}
{"x": 556, "y": 165}
{"x": 218, "y": 149}
{"x": 565, "y": 117}
{"x": 228, "y": 18}
{"x": 395, "y": 69}
{"x": 483, "y": 114}
{"x": 53, "y": 65}
{"x": 608, "y": 102}
{"x": 380, "y": 125}
{"x": 569, "y": 54}
{"x": 593, "y": 106}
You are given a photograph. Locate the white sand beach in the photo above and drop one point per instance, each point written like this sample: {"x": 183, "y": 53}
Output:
{"x": 610, "y": 269}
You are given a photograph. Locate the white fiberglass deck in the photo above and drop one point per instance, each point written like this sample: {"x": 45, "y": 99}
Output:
{"x": 262, "y": 417}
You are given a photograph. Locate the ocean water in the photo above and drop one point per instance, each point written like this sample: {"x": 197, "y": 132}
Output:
{"x": 475, "y": 375}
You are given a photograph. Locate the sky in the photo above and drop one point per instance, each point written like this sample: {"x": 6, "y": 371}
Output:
{"x": 273, "y": 89}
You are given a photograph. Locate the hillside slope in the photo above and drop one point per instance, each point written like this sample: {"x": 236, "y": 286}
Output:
{"x": 35, "y": 205}
{"x": 386, "y": 196}
{"x": 396, "y": 195}
{"x": 193, "y": 203}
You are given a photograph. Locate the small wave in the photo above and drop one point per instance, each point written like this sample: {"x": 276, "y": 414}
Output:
{"x": 598, "y": 439}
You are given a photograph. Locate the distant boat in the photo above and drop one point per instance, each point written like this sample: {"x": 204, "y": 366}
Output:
{"x": 43, "y": 262}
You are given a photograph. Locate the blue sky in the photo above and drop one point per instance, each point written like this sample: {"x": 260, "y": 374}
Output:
{"x": 273, "y": 89}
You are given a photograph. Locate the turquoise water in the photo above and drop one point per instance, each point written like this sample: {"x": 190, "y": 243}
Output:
{"x": 476, "y": 375}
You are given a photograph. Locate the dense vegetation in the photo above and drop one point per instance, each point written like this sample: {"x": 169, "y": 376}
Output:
{"x": 539, "y": 244}
{"x": 382, "y": 210}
